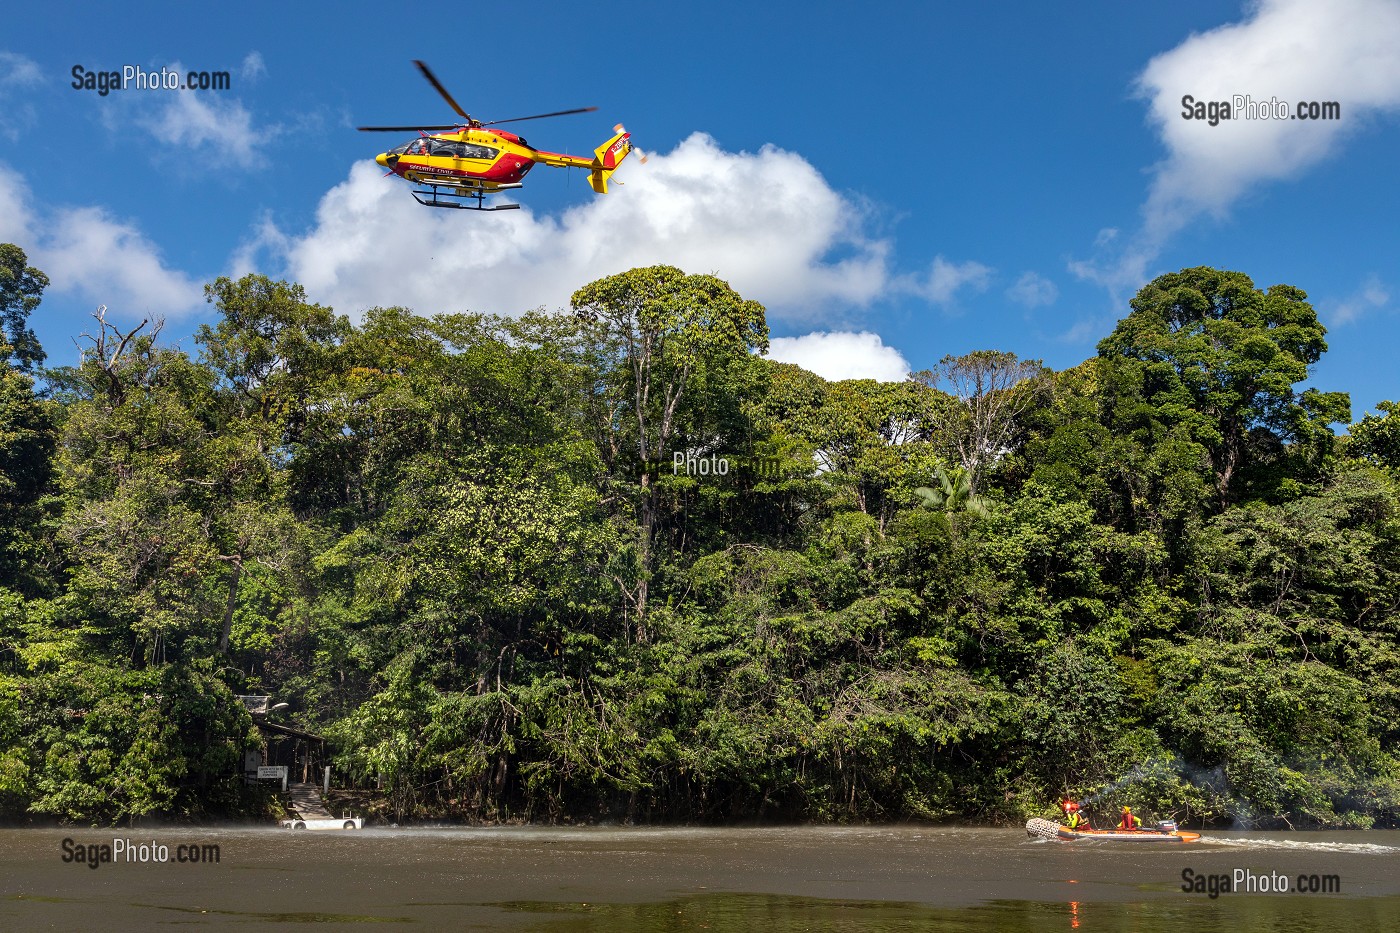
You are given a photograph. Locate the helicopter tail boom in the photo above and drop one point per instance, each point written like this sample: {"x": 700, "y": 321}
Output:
{"x": 606, "y": 159}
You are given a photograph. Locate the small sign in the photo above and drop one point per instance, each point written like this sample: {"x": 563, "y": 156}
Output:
{"x": 272, "y": 772}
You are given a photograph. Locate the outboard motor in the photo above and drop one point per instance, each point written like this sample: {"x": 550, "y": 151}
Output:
{"x": 1167, "y": 826}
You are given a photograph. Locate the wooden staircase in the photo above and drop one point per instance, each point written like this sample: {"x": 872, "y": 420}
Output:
{"x": 305, "y": 799}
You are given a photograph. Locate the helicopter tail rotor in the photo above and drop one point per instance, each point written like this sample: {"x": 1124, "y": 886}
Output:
{"x": 641, "y": 156}
{"x": 607, "y": 157}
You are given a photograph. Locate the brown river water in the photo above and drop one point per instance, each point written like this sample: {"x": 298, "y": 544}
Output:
{"x": 628, "y": 879}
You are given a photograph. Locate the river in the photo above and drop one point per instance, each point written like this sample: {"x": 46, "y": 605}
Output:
{"x": 628, "y": 879}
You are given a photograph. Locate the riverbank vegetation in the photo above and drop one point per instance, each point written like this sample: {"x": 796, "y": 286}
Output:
{"x": 463, "y": 549}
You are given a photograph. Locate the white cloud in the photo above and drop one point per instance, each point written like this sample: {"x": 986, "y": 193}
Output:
{"x": 841, "y": 355}
{"x": 767, "y": 222}
{"x": 266, "y": 238}
{"x": 1033, "y": 290}
{"x": 216, "y": 127}
{"x": 86, "y": 252}
{"x": 220, "y": 130}
{"x": 946, "y": 279}
{"x": 18, "y": 73}
{"x": 16, "y": 219}
{"x": 1294, "y": 50}
{"x": 253, "y": 67}
{"x": 1369, "y": 297}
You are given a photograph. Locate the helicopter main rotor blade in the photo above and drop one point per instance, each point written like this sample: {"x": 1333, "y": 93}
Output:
{"x": 541, "y": 116}
{"x": 406, "y": 129}
{"x": 432, "y": 79}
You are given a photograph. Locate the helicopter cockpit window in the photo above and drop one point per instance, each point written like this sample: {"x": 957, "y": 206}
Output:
{"x": 453, "y": 149}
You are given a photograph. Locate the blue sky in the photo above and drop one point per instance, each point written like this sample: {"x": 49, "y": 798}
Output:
{"x": 896, "y": 182}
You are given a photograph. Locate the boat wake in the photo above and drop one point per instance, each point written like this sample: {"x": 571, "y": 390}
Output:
{"x": 1303, "y": 846}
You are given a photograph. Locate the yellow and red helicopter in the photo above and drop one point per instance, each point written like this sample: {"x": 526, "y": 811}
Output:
{"x": 470, "y": 161}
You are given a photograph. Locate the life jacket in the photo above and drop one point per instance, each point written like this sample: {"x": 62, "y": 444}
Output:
{"x": 1130, "y": 821}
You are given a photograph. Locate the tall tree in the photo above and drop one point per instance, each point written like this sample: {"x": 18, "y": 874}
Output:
{"x": 21, "y": 289}
{"x": 991, "y": 389}
{"x": 274, "y": 349}
{"x": 130, "y": 462}
{"x": 28, "y": 439}
{"x": 865, "y": 437}
{"x": 1215, "y": 354}
{"x": 270, "y": 342}
{"x": 663, "y": 330}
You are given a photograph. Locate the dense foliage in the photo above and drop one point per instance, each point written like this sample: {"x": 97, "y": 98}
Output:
{"x": 482, "y": 556}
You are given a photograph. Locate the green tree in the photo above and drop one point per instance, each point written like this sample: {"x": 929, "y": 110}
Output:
{"x": 28, "y": 427}
{"x": 28, "y": 440}
{"x": 270, "y": 343}
{"x": 1210, "y": 352}
{"x": 275, "y": 352}
{"x": 1376, "y": 438}
{"x": 662, "y": 331}
{"x": 866, "y": 438}
{"x": 953, "y": 493}
{"x": 1097, "y": 439}
{"x": 171, "y": 496}
{"x": 21, "y": 289}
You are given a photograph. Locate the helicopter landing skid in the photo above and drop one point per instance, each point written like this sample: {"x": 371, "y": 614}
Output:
{"x": 441, "y": 196}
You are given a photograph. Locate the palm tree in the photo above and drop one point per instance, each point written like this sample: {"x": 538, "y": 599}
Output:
{"x": 954, "y": 493}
